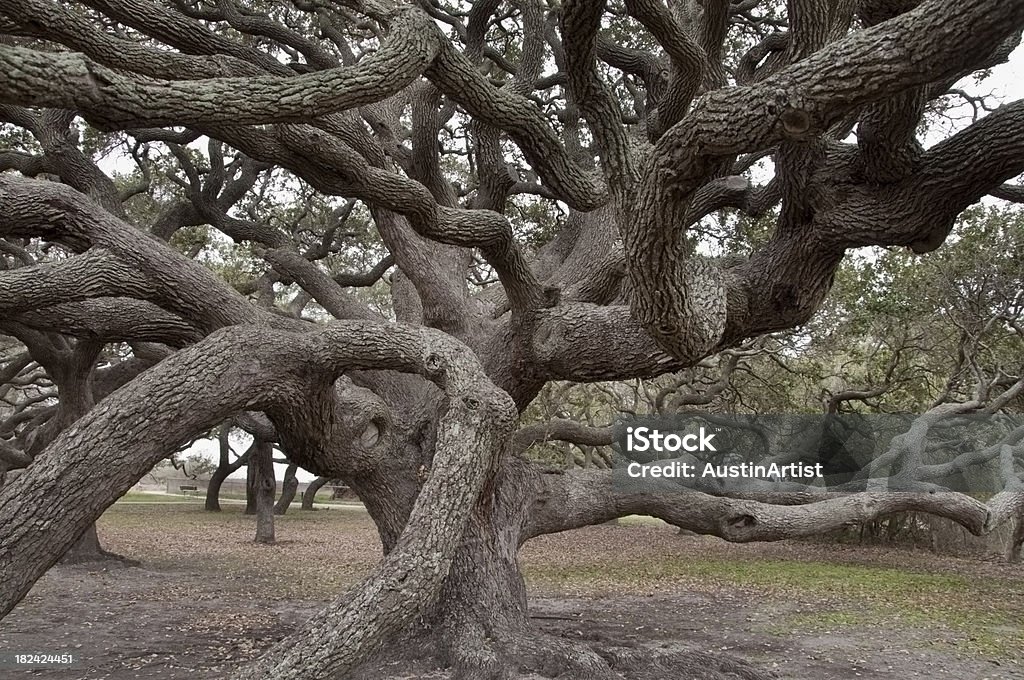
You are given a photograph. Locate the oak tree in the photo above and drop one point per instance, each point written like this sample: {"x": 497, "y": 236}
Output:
{"x": 537, "y": 174}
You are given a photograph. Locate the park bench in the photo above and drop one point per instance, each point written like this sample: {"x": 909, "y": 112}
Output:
{"x": 185, "y": 488}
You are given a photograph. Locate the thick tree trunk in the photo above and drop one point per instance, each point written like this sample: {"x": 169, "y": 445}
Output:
{"x": 482, "y": 631}
{"x": 310, "y": 493}
{"x": 480, "y": 627}
{"x": 288, "y": 488}
{"x": 265, "y": 485}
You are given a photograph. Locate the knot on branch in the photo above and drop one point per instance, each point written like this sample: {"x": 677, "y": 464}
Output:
{"x": 552, "y": 296}
{"x": 433, "y": 365}
{"x": 795, "y": 122}
{"x": 370, "y": 436}
{"x": 742, "y": 522}
{"x": 95, "y": 79}
{"x": 545, "y": 340}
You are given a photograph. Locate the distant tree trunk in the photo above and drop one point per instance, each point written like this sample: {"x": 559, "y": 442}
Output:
{"x": 288, "y": 488}
{"x": 262, "y": 468}
{"x": 310, "y": 493}
{"x": 213, "y": 489}
{"x": 224, "y": 469}
{"x": 250, "y": 486}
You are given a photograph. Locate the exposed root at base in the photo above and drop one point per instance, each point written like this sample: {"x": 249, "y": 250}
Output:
{"x": 539, "y": 656}
{"x": 78, "y": 557}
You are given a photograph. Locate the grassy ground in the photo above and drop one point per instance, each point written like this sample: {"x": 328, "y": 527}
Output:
{"x": 207, "y": 596}
{"x": 986, "y": 613}
{"x": 979, "y": 604}
{"x": 984, "y": 605}
{"x": 145, "y": 497}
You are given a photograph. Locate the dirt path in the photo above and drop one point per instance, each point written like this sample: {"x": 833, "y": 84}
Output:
{"x": 207, "y": 598}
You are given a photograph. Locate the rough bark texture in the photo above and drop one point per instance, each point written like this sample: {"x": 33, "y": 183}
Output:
{"x": 417, "y": 415}
{"x": 264, "y": 487}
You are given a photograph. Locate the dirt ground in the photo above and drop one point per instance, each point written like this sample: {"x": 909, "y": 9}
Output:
{"x": 205, "y": 597}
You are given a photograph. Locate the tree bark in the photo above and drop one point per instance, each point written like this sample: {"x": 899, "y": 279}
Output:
{"x": 264, "y": 487}
{"x": 288, "y": 488}
{"x": 480, "y": 627}
{"x": 310, "y": 493}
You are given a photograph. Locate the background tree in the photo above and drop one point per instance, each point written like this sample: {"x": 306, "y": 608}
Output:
{"x": 225, "y": 466}
{"x": 539, "y": 184}
{"x": 289, "y": 485}
{"x": 309, "y": 495}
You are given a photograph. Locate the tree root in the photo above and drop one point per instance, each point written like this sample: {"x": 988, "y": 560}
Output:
{"x": 100, "y": 555}
{"x": 528, "y": 655}
{"x": 645, "y": 664}
{"x": 561, "y": 658}
{"x": 88, "y": 549}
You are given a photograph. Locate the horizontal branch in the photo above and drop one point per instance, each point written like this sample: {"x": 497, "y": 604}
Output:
{"x": 367, "y": 278}
{"x": 112, "y": 319}
{"x": 72, "y": 81}
{"x": 583, "y": 497}
{"x": 588, "y": 343}
{"x": 95, "y": 273}
{"x": 560, "y": 429}
{"x": 53, "y": 211}
{"x": 51, "y": 21}
{"x": 1008, "y": 192}
{"x": 327, "y": 292}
